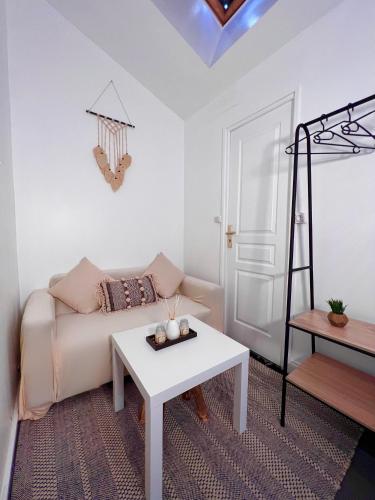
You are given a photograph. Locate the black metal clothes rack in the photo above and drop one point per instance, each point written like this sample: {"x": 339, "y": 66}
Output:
{"x": 320, "y": 136}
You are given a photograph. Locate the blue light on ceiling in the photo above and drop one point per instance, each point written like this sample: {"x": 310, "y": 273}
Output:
{"x": 226, "y": 4}
{"x": 251, "y": 20}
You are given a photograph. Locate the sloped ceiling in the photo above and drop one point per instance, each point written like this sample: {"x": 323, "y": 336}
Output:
{"x": 137, "y": 35}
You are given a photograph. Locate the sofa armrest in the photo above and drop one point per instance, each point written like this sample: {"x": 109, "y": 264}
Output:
{"x": 210, "y": 295}
{"x": 38, "y": 381}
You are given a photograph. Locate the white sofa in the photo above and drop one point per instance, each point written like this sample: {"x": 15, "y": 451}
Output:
{"x": 64, "y": 353}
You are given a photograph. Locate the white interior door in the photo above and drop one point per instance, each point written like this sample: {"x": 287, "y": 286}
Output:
{"x": 258, "y": 190}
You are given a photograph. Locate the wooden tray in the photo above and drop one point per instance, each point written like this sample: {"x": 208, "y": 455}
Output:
{"x": 150, "y": 339}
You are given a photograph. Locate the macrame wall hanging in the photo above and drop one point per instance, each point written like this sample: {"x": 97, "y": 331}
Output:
{"x": 111, "y": 152}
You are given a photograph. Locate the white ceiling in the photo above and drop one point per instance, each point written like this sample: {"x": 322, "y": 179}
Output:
{"x": 137, "y": 35}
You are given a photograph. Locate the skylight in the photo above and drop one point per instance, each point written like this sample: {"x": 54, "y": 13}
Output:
{"x": 224, "y": 9}
{"x": 204, "y": 23}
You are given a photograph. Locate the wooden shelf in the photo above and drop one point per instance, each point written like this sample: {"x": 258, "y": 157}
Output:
{"x": 356, "y": 334}
{"x": 346, "y": 389}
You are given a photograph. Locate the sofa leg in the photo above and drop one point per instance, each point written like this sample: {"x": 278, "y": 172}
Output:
{"x": 200, "y": 403}
{"x": 202, "y": 410}
{"x": 186, "y": 395}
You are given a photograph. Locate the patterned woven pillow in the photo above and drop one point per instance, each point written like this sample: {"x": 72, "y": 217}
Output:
{"x": 126, "y": 293}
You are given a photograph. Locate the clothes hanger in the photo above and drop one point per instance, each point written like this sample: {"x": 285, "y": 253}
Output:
{"x": 324, "y": 136}
{"x": 352, "y": 127}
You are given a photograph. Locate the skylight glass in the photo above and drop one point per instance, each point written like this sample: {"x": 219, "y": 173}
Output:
{"x": 225, "y": 3}
{"x": 224, "y": 9}
{"x": 211, "y": 27}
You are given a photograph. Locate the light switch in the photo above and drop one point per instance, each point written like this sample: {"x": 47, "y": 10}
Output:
{"x": 218, "y": 219}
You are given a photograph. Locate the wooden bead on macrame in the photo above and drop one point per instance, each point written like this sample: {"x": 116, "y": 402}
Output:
{"x": 117, "y": 141}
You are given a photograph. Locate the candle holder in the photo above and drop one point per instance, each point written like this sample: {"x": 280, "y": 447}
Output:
{"x": 184, "y": 327}
{"x": 160, "y": 334}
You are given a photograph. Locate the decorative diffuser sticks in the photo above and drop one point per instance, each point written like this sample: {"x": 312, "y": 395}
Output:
{"x": 111, "y": 153}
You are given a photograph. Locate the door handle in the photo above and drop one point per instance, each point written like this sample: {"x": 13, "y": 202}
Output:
{"x": 230, "y": 234}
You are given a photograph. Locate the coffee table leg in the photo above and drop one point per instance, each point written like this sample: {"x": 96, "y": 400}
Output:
{"x": 118, "y": 381}
{"x": 240, "y": 395}
{"x": 154, "y": 450}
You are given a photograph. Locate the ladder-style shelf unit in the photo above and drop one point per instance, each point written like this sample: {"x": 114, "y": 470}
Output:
{"x": 347, "y": 390}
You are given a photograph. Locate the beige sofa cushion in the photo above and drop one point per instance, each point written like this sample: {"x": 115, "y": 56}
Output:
{"x": 166, "y": 275}
{"x": 61, "y": 308}
{"x": 84, "y": 342}
{"x": 116, "y": 274}
{"x": 78, "y": 289}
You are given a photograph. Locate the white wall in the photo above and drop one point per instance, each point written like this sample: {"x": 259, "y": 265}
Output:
{"x": 330, "y": 63}
{"x": 9, "y": 298}
{"x": 64, "y": 208}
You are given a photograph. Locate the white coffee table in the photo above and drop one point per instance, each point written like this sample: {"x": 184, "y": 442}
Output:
{"x": 163, "y": 375}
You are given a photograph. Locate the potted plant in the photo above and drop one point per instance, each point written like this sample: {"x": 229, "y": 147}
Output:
{"x": 337, "y": 317}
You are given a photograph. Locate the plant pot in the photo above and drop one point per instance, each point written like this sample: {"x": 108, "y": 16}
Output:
{"x": 173, "y": 329}
{"x": 339, "y": 320}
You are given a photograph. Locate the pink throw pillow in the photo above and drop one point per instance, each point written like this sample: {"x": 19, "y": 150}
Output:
{"x": 167, "y": 277}
{"x": 78, "y": 288}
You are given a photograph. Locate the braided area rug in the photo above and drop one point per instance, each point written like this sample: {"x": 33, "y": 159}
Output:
{"x": 83, "y": 450}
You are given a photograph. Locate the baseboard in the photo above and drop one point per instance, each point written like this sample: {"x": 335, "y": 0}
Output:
{"x": 265, "y": 361}
{"x": 8, "y": 466}
{"x": 294, "y": 363}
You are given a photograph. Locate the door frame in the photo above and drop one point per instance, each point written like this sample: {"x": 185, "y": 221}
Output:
{"x": 293, "y": 97}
